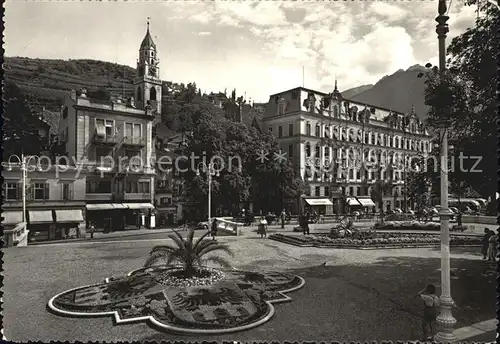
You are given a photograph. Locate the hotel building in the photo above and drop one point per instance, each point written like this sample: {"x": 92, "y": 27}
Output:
{"x": 340, "y": 147}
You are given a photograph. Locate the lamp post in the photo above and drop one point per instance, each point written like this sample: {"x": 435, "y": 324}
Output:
{"x": 445, "y": 318}
{"x": 212, "y": 170}
{"x": 24, "y": 162}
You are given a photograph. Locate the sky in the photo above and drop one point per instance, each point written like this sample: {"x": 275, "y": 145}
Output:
{"x": 257, "y": 47}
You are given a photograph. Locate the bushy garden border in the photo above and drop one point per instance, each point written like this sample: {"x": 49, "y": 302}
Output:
{"x": 375, "y": 240}
{"x": 415, "y": 225}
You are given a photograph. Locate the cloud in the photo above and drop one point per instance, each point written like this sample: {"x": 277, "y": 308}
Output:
{"x": 390, "y": 12}
{"x": 204, "y": 33}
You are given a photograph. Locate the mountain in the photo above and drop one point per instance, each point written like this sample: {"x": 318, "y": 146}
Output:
{"x": 355, "y": 91}
{"x": 45, "y": 83}
{"x": 397, "y": 92}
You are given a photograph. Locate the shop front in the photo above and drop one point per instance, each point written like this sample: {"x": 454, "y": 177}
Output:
{"x": 353, "y": 205}
{"x": 120, "y": 216}
{"x": 41, "y": 226}
{"x": 68, "y": 222}
{"x": 367, "y": 205}
{"x": 322, "y": 206}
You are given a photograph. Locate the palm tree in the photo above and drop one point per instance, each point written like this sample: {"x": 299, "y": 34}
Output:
{"x": 188, "y": 253}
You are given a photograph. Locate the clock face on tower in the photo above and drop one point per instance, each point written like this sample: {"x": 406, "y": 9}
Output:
{"x": 152, "y": 70}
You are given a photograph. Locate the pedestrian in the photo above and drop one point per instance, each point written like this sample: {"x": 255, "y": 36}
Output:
{"x": 92, "y": 229}
{"x": 307, "y": 217}
{"x": 262, "y": 227}
{"x": 283, "y": 218}
{"x": 492, "y": 246}
{"x": 213, "y": 231}
{"x": 486, "y": 242}
{"x": 431, "y": 304}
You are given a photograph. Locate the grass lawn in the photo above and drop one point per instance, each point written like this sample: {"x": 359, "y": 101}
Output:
{"x": 364, "y": 295}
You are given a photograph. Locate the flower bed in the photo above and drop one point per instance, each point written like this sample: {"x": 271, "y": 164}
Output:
{"x": 174, "y": 278}
{"x": 376, "y": 240}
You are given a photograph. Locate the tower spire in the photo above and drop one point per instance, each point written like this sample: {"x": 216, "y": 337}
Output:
{"x": 336, "y": 89}
{"x": 148, "y": 19}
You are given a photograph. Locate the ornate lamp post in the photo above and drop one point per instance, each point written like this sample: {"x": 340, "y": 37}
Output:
{"x": 445, "y": 318}
{"x": 24, "y": 162}
{"x": 212, "y": 170}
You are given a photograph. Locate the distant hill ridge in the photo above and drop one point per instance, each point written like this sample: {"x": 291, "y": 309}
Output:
{"x": 398, "y": 92}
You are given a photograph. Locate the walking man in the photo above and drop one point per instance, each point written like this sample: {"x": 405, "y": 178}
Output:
{"x": 283, "y": 217}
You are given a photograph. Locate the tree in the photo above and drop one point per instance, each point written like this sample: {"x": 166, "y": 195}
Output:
{"x": 468, "y": 97}
{"x": 189, "y": 253}
{"x": 20, "y": 134}
{"x": 418, "y": 185}
{"x": 380, "y": 189}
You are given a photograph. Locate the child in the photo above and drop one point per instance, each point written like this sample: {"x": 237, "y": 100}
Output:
{"x": 431, "y": 303}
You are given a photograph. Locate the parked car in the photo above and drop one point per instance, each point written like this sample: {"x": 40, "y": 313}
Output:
{"x": 398, "y": 211}
{"x": 202, "y": 225}
{"x": 454, "y": 209}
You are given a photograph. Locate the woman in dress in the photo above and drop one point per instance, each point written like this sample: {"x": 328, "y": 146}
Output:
{"x": 492, "y": 248}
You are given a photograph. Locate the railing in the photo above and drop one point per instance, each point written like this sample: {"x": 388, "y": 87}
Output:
{"x": 17, "y": 236}
{"x": 106, "y": 139}
{"x": 135, "y": 141}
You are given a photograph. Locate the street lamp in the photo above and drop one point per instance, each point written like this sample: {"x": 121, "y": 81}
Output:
{"x": 24, "y": 162}
{"x": 212, "y": 170}
{"x": 445, "y": 318}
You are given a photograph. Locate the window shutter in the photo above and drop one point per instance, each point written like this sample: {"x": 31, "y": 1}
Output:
{"x": 46, "y": 191}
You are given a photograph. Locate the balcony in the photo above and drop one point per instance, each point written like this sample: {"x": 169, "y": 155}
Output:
{"x": 105, "y": 139}
{"x": 134, "y": 141}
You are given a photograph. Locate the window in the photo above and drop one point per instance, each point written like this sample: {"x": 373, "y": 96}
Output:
{"x": 317, "y": 151}
{"x": 110, "y": 128}
{"x": 67, "y": 191}
{"x": 327, "y": 152}
{"x": 152, "y": 93}
{"x": 103, "y": 186}
{"x": 281, "y": 107}
{"x": 317, "y": 191}
{"x": 351, "y": 191}
{"x": 351, "y": 173}
{"x": 308, "y": 149}
{"x": 290, "y": 129}
{"x": 280, "y": 131}
{"x": 40, "y": 191}
{"x": 318, "y": 130}
{"x": 143, "y": 187}
{"x": 327, "y": 191}
{"x": 166, "y": 201}
{"x": 270, "y": 129}
{"x": 335, "y": 111}
{"x": 327, "y": 131}
{"x": 308, "y": 129}
{"x": 290, "y": 151}
{"x": 11, "y": 192}
{"x": 101, "y": 153}
{"x": 134, "y": 158}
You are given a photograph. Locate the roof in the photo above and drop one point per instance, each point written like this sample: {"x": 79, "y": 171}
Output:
{"x": 148, "y": 42}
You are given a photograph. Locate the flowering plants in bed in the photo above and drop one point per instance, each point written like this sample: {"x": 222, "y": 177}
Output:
{"x": 372, "y": 239}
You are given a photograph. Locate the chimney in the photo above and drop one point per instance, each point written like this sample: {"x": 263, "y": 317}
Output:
{"x": 73, "y": 94}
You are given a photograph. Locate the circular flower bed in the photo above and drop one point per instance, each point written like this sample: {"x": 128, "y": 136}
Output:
{"x": 175, "y": 278}
{"x": 371, "y": 239}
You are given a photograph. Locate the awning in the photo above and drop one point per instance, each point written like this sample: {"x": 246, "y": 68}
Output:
{"x": 319, "y": 201}
{"x": 12, "y": 217}
{"x": 69, "y": 215}
{"x": 40, "y": 216}
{"x": 366, "y": 202}
{"x": 105, "y": 206}
{"x": 139, "y": 205}
{"x": 352, "y": 201}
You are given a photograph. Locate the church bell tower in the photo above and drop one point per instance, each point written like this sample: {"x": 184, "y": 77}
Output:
{"x": 147, "y": 83}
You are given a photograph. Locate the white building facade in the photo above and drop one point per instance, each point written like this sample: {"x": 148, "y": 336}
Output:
{"x": 341, "y": 147}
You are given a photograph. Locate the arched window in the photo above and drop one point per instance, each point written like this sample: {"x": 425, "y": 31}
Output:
{"x": 139, "y": 94}
{"x": 308, "y": 129}
{"x": 316, "y": 151}
{"x": 152, "y": 93}
{"x": 318, "y": 130}
{"x": 308, "y": 149}
{"x": 335, "y": 111}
